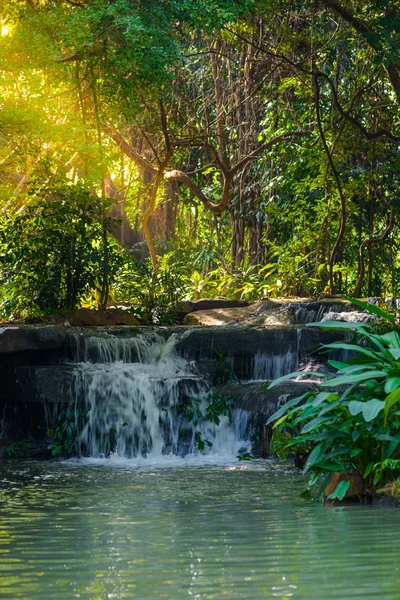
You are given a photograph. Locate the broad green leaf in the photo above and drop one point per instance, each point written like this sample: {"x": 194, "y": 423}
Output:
{"x": 331, "y": 406}
{"x": 372, "y": 408}
{"x": 391, "y": 338}
{"x": 391, "y": 400}
{"x": 350, "y": 379}
{"x": 338, "y": 325}
{"x": 321, "y": 397}
{"x": 314, "y": 424}
{"x": 349, "y": 391}
{"x": 371, "y": 308}
{"x": 384, "y": 437}
{"x": 340, "y": 491}
{"x": 336, "y": 364}
{"x": 307, "y": 412}
{"x": 355, "y": 452}
{"x": 340, "y": 451}
{"x": 356, "y": 407}
{"x": 330, "y": 435}
{"x": 286, "y": 406}
{"x": 353, "y": 347}
{"x": 368, "y": 469}
{"x": 331, "y": 466}
{"x": 391, "y": 384}
{"x": 390, "y": 448}
{"x": 315, "y": 455}
{"x": 295, "y": 374}
{"x": 359, "y": 367}
{"x": 280, "y": 421}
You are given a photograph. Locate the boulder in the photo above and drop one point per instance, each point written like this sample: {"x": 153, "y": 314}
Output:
{"x": 85, "y": 317}
{"x": 182, "y": 309}
{"x": 259, "y": 314}
{"x": 211, "y": 303}
{"x": 28, "y": 338}
{"x": 42, "y": 384}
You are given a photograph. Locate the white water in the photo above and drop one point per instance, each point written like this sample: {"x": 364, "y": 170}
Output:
{"x": 132, "y": 389}
{"x": 306, "y": 313}
{"x": 270, "y": 368}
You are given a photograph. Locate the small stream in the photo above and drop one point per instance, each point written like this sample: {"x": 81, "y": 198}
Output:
{"x": 115, "y": 529}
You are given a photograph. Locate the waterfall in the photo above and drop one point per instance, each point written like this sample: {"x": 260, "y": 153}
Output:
{"x": 133, "y": 390}
{"x": 267, "y": 367}
{"x": 314, "y": 312}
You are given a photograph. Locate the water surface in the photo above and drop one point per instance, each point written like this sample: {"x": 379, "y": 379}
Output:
{"x": 126, "y": 530}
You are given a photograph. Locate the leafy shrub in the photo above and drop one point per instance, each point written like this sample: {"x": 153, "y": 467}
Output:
{"x": 154, "y": 293}
{"x": 352, "y": 424}
{"x": 63, "y": 437}
{"x": 197, "y": 412}
{"x": 54, "y": 252}
{"x": 248, "y": 283}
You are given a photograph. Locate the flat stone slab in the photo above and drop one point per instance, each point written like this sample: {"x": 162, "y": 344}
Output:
{"x": 85, "y": 317}
{"x": 266, "y": 313}
{"x": 259, "y": 314}
{"x": 27, "y": 338}
{"x": 212, "y": 303}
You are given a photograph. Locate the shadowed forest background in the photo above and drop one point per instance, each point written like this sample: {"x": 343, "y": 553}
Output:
{"x": 152, "y": 151}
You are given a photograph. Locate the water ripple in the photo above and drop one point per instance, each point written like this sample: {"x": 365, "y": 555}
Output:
{"x": 100, "y": 531}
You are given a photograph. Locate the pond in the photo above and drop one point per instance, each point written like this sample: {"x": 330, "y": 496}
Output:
{"x": 118, "y": 529}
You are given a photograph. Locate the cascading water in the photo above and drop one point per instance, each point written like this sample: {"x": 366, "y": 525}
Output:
{"x": 314, "y": 312}
{"x": 133, "y": 390}
{"x": 269, "y": 369}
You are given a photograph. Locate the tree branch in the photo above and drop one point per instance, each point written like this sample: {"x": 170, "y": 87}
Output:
{"x": 129, "y": 151}
{"x": 215, "y": 208}
{"x": 253, "y": 155}
{"x": 365, "y": 31}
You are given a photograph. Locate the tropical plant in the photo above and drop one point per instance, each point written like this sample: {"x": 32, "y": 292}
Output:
{"x": 153, "y": 292}
{"x": 352, "y": 423}
{"x": 63, "y": 437}
{"x": 54, "y": 252}
{"x": 198, "y": 411}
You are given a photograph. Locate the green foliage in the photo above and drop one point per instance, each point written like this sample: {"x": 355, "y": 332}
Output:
{"x": 352, "y": 423}
{"x": 246, "y": 456}
{"x": 215, "y": 406}
{"x": 249, "y": 283}
{"x": 63, "y": 438}
{"x": 225, "y": 373}
{"x": 9, "y": 451}
{"x": 85, "y": 73}
{"x": 153, "y": 292}
{"x": 53, "y": 253}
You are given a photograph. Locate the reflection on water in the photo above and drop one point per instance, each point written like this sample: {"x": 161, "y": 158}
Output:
{"x": 122, "y": 531}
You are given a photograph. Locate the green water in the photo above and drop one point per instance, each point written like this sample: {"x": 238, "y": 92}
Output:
{"x": 103, "y": 531}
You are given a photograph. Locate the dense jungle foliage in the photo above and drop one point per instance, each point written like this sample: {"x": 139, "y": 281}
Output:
{"x": 187, "y": 148}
